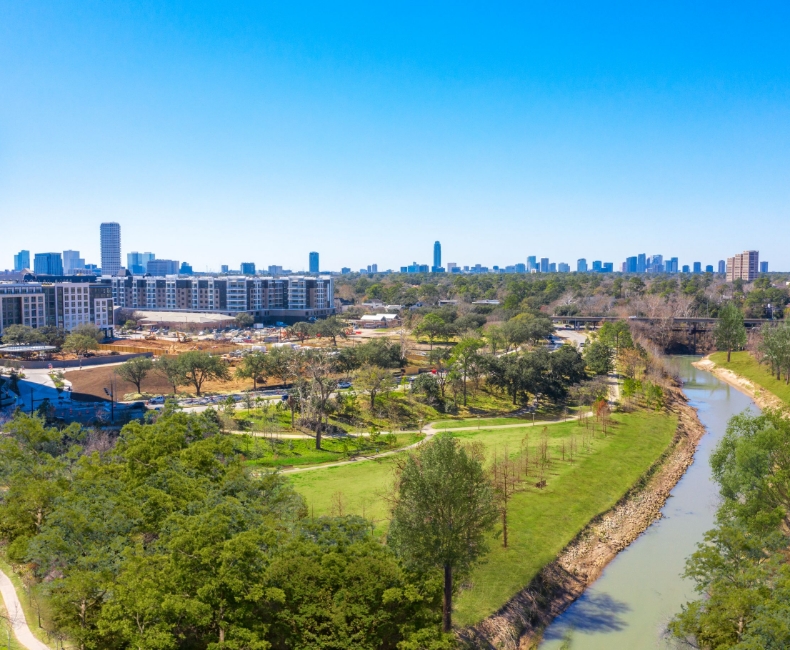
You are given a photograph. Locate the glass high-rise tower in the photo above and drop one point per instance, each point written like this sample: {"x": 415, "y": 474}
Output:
{"x": 110, "y": 234}
{"x": 314, "y": 265}
{"x": 437, "y": 255}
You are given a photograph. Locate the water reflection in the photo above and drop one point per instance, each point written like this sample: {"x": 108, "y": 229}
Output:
{"x": 639, "y": 592}
{"x": 593, "y": 612}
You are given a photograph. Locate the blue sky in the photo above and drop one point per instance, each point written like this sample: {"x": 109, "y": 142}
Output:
{"x": 365, "y": 131}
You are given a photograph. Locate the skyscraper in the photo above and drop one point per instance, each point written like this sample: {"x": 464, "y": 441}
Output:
{"x": 722, "y": 267}
{"x": 22, "y": 261}
{"x": 743, "y": 266}
{"x": 48, "y": 264}
{"x": 581, "y": 265}
{"x": 110, "y": 236}
{"x": 697, "y": 266}
{"x": 248, "y": 268}
{"x": 763, "y": 267}
{"x": 437, "y": 255}
{"x": 630, "y": 265}
{"x": 72, "y": 262}
{"x": 544, "y": 264}
{"x": 532, "y": 263}
{"x": 314, "y": 265}
{"x": 641, "y": 263}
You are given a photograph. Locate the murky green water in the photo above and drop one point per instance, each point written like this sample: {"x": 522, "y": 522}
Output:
{"x": 629, "y": 606}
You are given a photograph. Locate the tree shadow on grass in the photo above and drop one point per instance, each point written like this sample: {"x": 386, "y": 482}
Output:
{"x": 591, "y": 613}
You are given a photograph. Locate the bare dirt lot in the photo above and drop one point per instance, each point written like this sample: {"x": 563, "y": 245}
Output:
{"x": 92, "y": 382}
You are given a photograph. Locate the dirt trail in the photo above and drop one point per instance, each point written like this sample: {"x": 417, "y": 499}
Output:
{"x": 520, "y": 622}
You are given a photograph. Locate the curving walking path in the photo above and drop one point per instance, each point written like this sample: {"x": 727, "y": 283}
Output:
{"x": 429, "y": 432}
{"x": 16, "y": 616}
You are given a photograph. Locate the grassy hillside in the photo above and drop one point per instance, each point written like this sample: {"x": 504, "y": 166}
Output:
{"x": 542, "y": 521}
{"x": 744, "y": 364}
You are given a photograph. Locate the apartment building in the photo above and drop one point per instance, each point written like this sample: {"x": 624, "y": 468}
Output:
{"x": 744, "y": 266}
{"x": 64, "y": 305}
{"x": 287, "y": 298}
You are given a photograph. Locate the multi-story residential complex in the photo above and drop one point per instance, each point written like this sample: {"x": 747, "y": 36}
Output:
{"x": 72, "y": 262}
{"x": 286, "y": 298}
{"x": 110, "y": 239}
{"x": 743, "y": 266}
{"x": 22, "y": 261}
{"x": 48, "y": 264}
{"x": 160, "y": 267}
{"x": 64, "y": 305}
{"x": 314, "y": 264}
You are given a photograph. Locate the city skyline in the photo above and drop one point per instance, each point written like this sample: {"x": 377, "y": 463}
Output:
{"x": 498, "y": 131}
{"x": 140, "y": 263}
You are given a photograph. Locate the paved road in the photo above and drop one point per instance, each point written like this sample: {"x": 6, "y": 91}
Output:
{"x": 17, "y": 616}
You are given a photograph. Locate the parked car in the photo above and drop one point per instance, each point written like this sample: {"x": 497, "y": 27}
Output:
{"x": 344, "y": 384}
{"x": 157, "y": 400}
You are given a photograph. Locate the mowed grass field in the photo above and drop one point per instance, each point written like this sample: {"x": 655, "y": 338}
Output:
{"x": 542, "y": 521}
{"x": 744, "y": 364}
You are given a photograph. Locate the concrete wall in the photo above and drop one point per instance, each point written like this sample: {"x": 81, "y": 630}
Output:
{"x": 75, "y": 363}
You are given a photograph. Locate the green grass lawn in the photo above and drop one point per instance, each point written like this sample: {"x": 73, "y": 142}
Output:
{"x": 490, "y": 422}
{"x": 542, "y": 522}
{"x": 744, "y": 364}
{"x": 274, "y": 452}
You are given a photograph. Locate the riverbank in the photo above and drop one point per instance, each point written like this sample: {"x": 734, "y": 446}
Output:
{"x": 761, "y": 396}
{"x": 519, "y": 624}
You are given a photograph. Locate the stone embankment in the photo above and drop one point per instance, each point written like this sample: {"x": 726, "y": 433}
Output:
{"x": 520, "y": 622}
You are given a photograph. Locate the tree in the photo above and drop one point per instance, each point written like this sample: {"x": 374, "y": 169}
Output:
{"x": 301, "y": 331}
{"x": 616, "y": 335}
{"x": 89, "y": 329}
{"x": 465, "y": 356}
{"x": 331, "y": 327}
{"x": 373, "y": 380}
{"x": 506, "y": 480}
{"x": 22, "y": 335}
{"x": 244, "y": 319}
{"x": 318, "y": 368}
{"x": 730, "y": 332}
{"x": 135, "y": 370}
{"x": 279, "y": 363}
{"x": 740, "y": 569}
{"x": 253, "y": 366}
{"x": 170, "y": 369}
{"x": 433, "y": 326}
{"x": 442, "y": 508}
{"x": 599, "y": 357}
{"x": 80, "y": 344}
{"x": 198, "y": 367}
